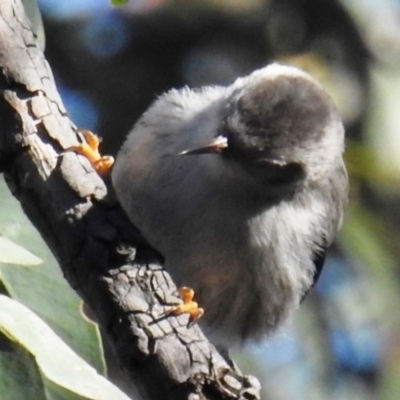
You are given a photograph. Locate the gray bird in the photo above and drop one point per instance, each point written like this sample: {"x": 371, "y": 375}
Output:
{"x": 242, "y": 189}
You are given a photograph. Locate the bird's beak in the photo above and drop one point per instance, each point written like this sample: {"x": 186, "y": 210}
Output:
{"x": 215, "y": 146}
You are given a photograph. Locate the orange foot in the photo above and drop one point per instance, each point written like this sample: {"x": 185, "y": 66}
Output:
{"x": 189, "y": 306}
{"x": 90, "y": 149}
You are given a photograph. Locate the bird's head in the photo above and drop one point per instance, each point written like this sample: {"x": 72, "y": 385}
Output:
{"x": 280, "y": 126}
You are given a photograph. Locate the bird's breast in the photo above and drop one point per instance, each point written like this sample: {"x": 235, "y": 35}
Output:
{"x": 244, "y": 287}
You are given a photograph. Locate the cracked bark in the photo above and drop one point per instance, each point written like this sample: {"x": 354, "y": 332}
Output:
{"x": 102, "y": 256}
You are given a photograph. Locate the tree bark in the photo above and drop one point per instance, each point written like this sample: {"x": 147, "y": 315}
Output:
{"x": 100, "y": 253}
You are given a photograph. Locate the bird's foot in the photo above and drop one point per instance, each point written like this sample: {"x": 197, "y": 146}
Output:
{"x": 189, "y": 306}
{"x": 90, "y": 149}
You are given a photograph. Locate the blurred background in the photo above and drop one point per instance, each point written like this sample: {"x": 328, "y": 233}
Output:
{"x": 111, "y": 63}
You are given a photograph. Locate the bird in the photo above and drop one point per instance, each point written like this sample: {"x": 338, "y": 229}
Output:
{"x": 242, "y": 189}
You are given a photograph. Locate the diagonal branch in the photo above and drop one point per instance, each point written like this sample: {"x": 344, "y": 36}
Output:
{"x": 99, "y": 252}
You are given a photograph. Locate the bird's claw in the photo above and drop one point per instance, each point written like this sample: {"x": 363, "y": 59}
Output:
{"x": 189, "y": 306}
{"x": 90, "y": 149}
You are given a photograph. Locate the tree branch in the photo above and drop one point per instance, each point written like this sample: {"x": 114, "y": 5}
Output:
{"x": 74, "y": 211}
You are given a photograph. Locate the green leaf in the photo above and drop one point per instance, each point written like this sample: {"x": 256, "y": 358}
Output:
{"x": 367, "y": 238}
{"x": 11, "y": 253}
{"x": 20, "y": 377}
{"x": 54, "y": 358}
{"x": 44, "y": 288}
{"x": 117, "y": 3}
{"x": 362, "y": 163}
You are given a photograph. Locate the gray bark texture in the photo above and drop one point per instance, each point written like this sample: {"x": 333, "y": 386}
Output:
{"x": 100, "y": 253}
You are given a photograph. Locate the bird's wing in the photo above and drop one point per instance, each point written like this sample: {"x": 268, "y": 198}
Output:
{"x": 319, "y": 260}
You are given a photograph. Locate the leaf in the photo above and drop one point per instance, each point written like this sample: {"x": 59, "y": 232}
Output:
{"x": 367, "y": 238}
{"x": 54, "y": 358}
{"x": 20, "y": 377}
{"x": 362, "y": 162}
{"x": 117, "y": 3}
{"x": 44, "y": 288}
{"x": 11, "y": 253}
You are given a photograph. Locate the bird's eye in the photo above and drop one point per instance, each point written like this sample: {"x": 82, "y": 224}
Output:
{"x": 286, "y": 174}
{"x": 282, "y": 180}
{"x": 277, "y": 173}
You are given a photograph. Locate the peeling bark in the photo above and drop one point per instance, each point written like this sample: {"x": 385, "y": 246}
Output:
{"x": 100, "y": 253}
